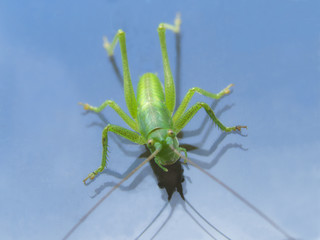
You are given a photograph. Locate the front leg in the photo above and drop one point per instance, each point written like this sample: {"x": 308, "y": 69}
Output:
{"x": 188, "y": 115}
{"x": 130, "y": 135}
{"x": 131, "y": 123}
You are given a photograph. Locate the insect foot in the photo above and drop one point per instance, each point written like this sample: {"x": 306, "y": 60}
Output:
{"x": 227, "y": 89}
{"x": 86, "y": 106}
{"x": 177, "y": 23}
{"x": 107, "y": 46}
{"x": 239, "y": 128}
{"x": 176, "y": 27}
{"x": 91, "y": 176}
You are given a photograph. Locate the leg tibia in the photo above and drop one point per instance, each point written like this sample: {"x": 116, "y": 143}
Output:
{"x": 191, "y": 92}
{"x": 123, "y": 132}
{"x": 127, "y": 84}
{"x": 188, "y": 115}
{"x": 169, "y": 87}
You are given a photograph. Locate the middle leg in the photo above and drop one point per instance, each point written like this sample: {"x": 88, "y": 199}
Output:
{"x": 181, "y": 109}
{"x": 188, "y": 115}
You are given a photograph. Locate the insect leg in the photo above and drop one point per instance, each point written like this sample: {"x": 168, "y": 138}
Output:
{"x": 169, "y": 86}
{"x": 188, "y": 115}
{"x": 131, "y": 123}
{"x": 181, "y": 109}
{"x": 127, "y": 84}
{"x": 84, "y": 217}
{"x": 176, "y": 27}
{"x": 123, "y": 132}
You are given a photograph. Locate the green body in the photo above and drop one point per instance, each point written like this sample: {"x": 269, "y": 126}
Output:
{"x": 154, "y": 118}
{"x": 152, "y": 110}
{"x": 151, "y": 119}
{"x": 154, "y": 123}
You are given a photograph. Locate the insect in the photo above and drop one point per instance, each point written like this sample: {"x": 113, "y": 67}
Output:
{"x": 154, "y": 123}
{"x": 152, "y": 119}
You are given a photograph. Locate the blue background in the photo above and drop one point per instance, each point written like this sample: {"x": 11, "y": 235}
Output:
{"x": 51, "y": 57}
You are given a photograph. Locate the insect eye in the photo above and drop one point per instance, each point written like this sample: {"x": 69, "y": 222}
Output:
{"x": 150, "y": 142}
{"x": 171, "y": 133}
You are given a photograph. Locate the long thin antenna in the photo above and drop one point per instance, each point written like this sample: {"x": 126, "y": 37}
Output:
{"x": 200, "y": 225}
{"x": 237, "y": 195}
{"x": 204, "y": 219}
{"x": 108, "y": 194}
{"x": 152, "y": 222}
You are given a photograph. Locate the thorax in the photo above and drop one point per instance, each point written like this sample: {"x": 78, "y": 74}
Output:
{"x": 152, "y": 110}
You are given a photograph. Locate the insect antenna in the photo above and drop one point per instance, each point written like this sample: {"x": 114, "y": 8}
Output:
{"x": 204, "y": 219}
{"x": 166, "y": 221}
{"x": 153, "y": 221}
{"x": 199, "y": 224}
{"x": 237, "y": 195}
{"x": 108, "y": 194}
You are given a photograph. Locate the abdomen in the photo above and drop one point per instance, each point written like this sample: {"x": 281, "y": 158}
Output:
{"x": 152, "y": 110}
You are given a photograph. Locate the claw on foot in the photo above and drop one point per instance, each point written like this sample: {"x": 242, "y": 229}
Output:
{"x": 239, "y": 127}
{"x": 227, "y": 89}
{"x": 175, "y": 28}
{"x": 107, "y": 46}
{"x": 177, "y": 23}
{"x": 91, "y": 176}
{"x": 86, "y": 106}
